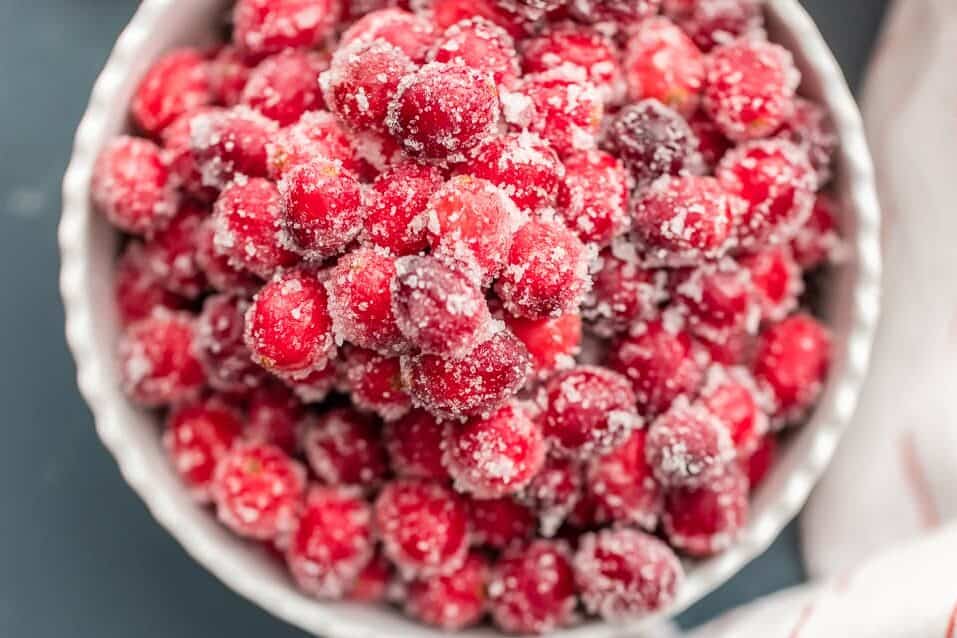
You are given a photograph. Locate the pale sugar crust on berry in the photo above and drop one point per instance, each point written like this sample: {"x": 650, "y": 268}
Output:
{"x": 480, "y": 44}
{"x": 688, "y": 446}
{"x": 623, "y": 485}
{"x": 704, "y": 521}
{"x": 374, "y": 383}
{"x": 344, "y": 447}
{"x": 412, "y": 33}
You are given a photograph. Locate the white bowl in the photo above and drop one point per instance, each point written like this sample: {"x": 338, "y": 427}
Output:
{"x": 88, "y": 246}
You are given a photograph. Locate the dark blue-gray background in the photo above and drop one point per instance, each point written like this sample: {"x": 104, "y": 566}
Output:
{"x": 79, "y": 554}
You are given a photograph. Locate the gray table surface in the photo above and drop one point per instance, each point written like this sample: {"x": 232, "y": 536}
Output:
{"x": 79, "y": 554}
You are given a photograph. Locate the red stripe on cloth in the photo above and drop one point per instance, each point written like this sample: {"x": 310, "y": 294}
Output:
{"x": 952, "y": 625}
{"x": 804, "y": 618}
{"x": 917, "y": 480}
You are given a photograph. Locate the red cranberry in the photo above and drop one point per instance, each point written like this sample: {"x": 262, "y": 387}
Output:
{"x": 750, "y": 87}
{"x": 811, "y": 130}
{"x": 531, "y": 10}
{"x": 704, "y": 521}
{"x": 177, "y": 83}
{"x": 470, "y": 219}
{"x": 568, "y": 109}
{"x": 220, "y": 346}
{"x": 344, "y": 447}
{"x": 131, "y": 186}
{"x": 171, "y": 253}
{"x": 284, "y": 86}
{"x": 217, "y": 268}
{"x": 778, "y": 184}
{"x": 158, "y": 361}
{"x": 399, "y": 196}
{"x": 554, "y": 493}
{"x": 230, "y": 143}
{"x": 593, "y": 197}
{"x": 623, "y": 291}
{"x": 683, "y": 220}
{"x": 792, "y": 362}
{"x": 500, "y": 523}
{"x": 688, "y": 446}
{"x": 442, "y": 111}
{"x": 546, "y": 273}
{"x": 228, "y": 73}
{"x": 332, "y": 542}
{"x": 626, "y": 574}
{"x": 716, "y": 299}
{"x": 138, "y": 291}
{"x": 373, "y": 585}
{"x": 494, "y": 456}
{"x": 316, "y": 136}
{"x": 375, "y": 383}
{"x": 197, "y": 436}
{"x": 273, "y": 414}
{"x": 492, "y": 373}
{"x": 760, "y": 462}
{"x": 411, "y": 33}
{"x": 571, "y": 44}
{"x": 818, "y": 241}
{"x": 590, "y": 409}
{"x": 715, "y": 22}
{"x": 322, "y": 209}
{"x": 288, "y": 327}
{"x": 732, "y": 395}
{"x": 247, "y": 217}
{"x": 438, "y": 308}
{"x": 362, "y": 80}
{"x": 662, "y": 361}
{"x": 269, "y": 26}
{"x": 623, "y": 484}
{"x": 653, "y": 140}
{"x": 452, "y": 601}
{"x": 661, "y": 63}
{"x": 258, "y": 491}
{"x": 178, "y": 147}
{"x": 423, "y": 527}
{"x": 532, "y": 590}
{"x": 624, "y": 12}
{"x": 479, "y": 44}
{"x": 445, "y": 13}
{"x": 414, "y": 442}
{"x": 553, "y": 343}
{"x": 776, "y": 280}
{"x": 521, "y": 164}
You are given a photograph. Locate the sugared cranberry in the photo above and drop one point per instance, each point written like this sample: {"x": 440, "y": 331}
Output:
{"x": 663, "y": 64}
{"x": 315, "y": 386}
{"x": 438, "y": 308}
{"x": 178, "y": 147}
{"x": 623, "y": 291}
{"x": 322, "y": 209}
{"x": 452, "y": 601}
{"x": 479, "y": 44}
{"x": 491, "y": 374}
{"x": 258, "y": 491}
{"x": 533, "y": 590}
{"x": 750, "y": 87}
{"x": 288, "y": 327}
{"x": 218, "y": 269}
{"x": 568, "y": 109}
{"x": 230, "y": 143}
{"x": 158, "y": 361}
{"x": 715, "y": 22}
{"x": 360, "y": 301}
{"x": 623, "y": 12}
{"x": 683, "y": 220}
{"x": 531, "y": 10}
{"x": 662, "y": 361}
{"x": 623, "y": 485}
{"x": 344, "y": 447}
{"x": 584, "y": 48}
{"x": 220, "y": 346}
{"x": 500, "y": 522}
{"x": 811, "y": 130}
{"x": 554, "y": 493}
{"x": 398, "y": 198}
{"x": 546, "y": 273}
{"x": 759, "y": 463}
{"x": 626, "y": 574}
{"x": 246, "y": 217}
{"x": 712, "y": 143}
{"x": 590, "y": 409}
{"x": 732, "y": 395}
{"x": 776, "y": 280}
{"x": 273, "y": 414}
{"x": 362, "y": 80}
{"x": 495, "y": 456}
{"x": 197, "y": 436}
{"x": 706, "y": 520}
{"x": 132, "y": 187}
{"x": 593, "y": 197}
{"x": 414, "y": 443}
{"x": 374, "y": 382}
{"x": 177, "y": 83}
{"x": 228, "y": 73}
{"x": 778, "y": 184}
{"x": 171, "y": 253}
{"x": 553, "y": 343}
{"x": 445, "y": 13}
{"x": 423, "y": 527}
{"x": 716, "y": 299}
{"x": 411, "y": 33}
{"x": 332, "y": 542}
{"x": 442, "y": 111}
{"x": 523, "y": 165}
{"x": 653, "y": 141}
{"x": 316, "y": 136}
{"x": 269, "y": 26}
{"x": 284, "y": 86}
{"x": 688, "y": 446}
{"x": 792, "y": 361}
{"x": 818, "y": 241}
{"x": 138, "y": 292}
{"x": 470, "y": 219}
{"x": 374, "y": 583}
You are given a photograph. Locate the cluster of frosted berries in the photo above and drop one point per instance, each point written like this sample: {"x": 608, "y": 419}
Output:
{"x": 366, "y": 244}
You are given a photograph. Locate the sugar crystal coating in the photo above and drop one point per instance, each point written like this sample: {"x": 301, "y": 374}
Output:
{"x": 623, "y": 290}
{"x": 315, "y": 136}
{"x": 171, "y": 253}
{"x": 413, "y": 34}
{"x": 688, "y": 446}
{"x": 177, "y": 83}
{"x": 662, "y": 63}
{"x": 479, "y": 44}
{"x": 269, "y": 26}
{"x": 623, "y": 484}
{"x": 344, "y": 447}
{"x": 414, "y": 443}
{"x": 715, "y": 22}
{"x": 588, "y": 49}
{"x": 532, "y": 589}
{"x": 593, "y": 197}
{"x": 137, "y": 290}
{"x": 500, "y": 523}
{"x": 197, "y": 436}
{"x": 398, "y": 197}
{"x": 451, "y": 601}
{"x": 733, "y": 396}
{"x": 220, "y": 272}
{"x": 131, "y": 185}
{"x": 568, "y": 109}
{"x": 554, "y": 493}
{"x": 552, "y": 342}
{"x": 273, "y": 414}
{"x": 776, "y": 280}
{"x": 374, "y": 383}
{"x": 703, "y": 521}
{"x": 229, "y": 144}
{"x": 623, "y": 12}
{"x": 653, "y": 141}
{"x": 220, "y": 346}
{"x": 284, "y": 86}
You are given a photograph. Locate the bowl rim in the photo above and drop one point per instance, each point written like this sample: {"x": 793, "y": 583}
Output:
{"x": 318, "y": 616}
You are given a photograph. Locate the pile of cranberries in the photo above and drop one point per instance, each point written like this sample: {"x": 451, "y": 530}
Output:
{"x": 483, "y": 308}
